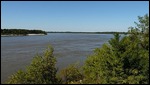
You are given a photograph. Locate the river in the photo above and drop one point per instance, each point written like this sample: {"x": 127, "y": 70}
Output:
{"x": 17, "y": 52}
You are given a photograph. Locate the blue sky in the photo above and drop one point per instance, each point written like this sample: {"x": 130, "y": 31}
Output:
{"x": 77, "y": 16}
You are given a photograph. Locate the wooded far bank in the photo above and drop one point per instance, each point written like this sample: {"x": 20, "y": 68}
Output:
{"x": 21, "y": 32}
{"x": 90, "y": 32}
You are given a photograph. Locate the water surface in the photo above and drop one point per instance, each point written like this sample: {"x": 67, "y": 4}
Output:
{"x": 17, "y": 52}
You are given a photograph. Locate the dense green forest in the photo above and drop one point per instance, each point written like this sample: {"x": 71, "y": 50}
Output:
{"x": 21, "y": 32}
{"x": 121, "y": 61}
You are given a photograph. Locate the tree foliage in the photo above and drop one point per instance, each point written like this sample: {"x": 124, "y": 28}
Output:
{"x": 41, "y": 71}
{"x": 122, "y": 61}
{"x": 71, "y": 74}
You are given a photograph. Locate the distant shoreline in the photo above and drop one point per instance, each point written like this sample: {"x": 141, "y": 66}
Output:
{"x": 92, "y": 32}
{"x": 12, "y": 35}
{"x": 21, "y": 32}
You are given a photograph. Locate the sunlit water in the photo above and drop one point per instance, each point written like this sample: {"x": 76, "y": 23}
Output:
{"x": 17, "y": 52}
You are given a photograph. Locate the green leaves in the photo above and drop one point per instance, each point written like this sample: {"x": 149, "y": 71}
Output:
{"x": 71, "y": 74}
{"x": 17, "y": 78}
{"x": 122, "y": 61}
{"x": 41, "y": 71}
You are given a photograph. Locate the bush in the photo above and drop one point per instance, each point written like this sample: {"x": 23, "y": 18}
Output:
{"x": 71, "y": 74}
{"x": 41, "y": 71}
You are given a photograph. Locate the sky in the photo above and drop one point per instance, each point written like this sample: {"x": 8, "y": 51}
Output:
{"x": 75, "y": 16}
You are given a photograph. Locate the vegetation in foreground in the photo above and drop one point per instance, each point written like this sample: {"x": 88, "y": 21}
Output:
{"x": 122, "y": 61}
{"x": 42, "y": 70}
{"x": 21, "y": 32}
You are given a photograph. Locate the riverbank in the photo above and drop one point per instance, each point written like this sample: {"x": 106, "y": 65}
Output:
{"x": 34, "y": 34}
{"x": 91, "y": 32}
{"x": 12, "y": 35}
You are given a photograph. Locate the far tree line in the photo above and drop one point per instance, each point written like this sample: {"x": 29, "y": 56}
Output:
{"x": 21, "y": 32}
{"x": 25, "y": 32}
{"x": 89, "y": 32}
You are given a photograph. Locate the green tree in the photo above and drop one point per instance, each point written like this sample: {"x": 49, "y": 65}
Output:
{"x": 41, "y": 71}
{"x": 140, "y": 46}
{"x": 71, "y": 74}
{"x": 122, "y": 61}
